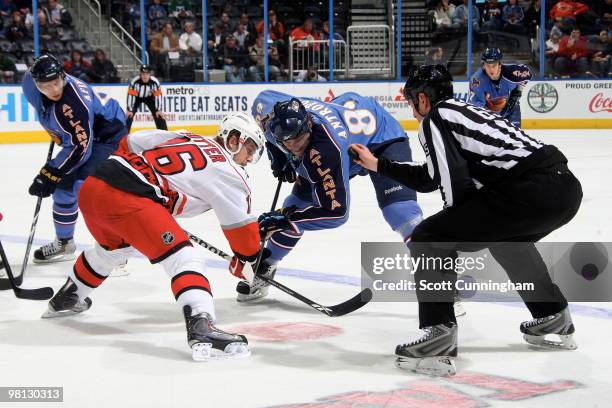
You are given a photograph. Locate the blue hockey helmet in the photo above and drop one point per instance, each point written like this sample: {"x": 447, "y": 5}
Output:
{"x": 433, "y": 80}
{"x": 491, "y": 56}
{"x": 46, "y": 68}
{"x": 289, "y": 121}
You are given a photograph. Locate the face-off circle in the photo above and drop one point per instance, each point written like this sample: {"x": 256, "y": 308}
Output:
{"x": 287, "y": 331}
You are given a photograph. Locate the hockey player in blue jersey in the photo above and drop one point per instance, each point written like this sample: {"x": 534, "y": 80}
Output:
{"x": 307, "y": 142}
{"x": 87, "y": 126}
{"x": 498, "y": 87}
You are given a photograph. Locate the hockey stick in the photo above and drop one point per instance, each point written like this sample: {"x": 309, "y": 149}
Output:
{"x": 24, "y": 265}
{"x": 32, "y": 294}
{"x": 340, "y": 309}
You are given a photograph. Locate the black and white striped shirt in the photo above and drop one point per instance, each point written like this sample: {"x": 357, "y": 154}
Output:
{"x": 141, "y": 90}
{"x": 467, "y": 148}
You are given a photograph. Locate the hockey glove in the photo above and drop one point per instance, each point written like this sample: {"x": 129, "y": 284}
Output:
{"x": 45, "y": 182}
{"x": 276, "y": 220}
{"x": 281, "y": 167}
{"x": 243, "y": 267}
{"x": 513, "y": 99}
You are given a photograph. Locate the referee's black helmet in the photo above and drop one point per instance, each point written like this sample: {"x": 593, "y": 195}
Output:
{"x": 433, "y": 80}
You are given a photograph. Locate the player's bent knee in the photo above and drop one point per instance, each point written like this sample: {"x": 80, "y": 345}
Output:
{"x": 186, "y": 259}
{"x": 403, "y": 217}
{"x": 104, "y": 260}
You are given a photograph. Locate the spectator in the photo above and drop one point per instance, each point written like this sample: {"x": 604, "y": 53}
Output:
{"x": 234, "y": 60}
{"x": 134, "y": 17}
{"x": 16, "y": 31}
{"x": 601, "y": 63}
{"x": 532, "y": 17}
{"x": 57, "y": 15}
{"x": 180, "y": 8}
{"x": 8, "y": 71}
{"x": 305, "y": 32}
{"x": 325, "y": 32}
{"x": 512, "y": 16}
{"x": 563, "y": 26}
{"x": 257, "y": 55}
{"x": 550, "y": 51}
{"x": 247, "y": 23}
{"x": 572, "y": 56}
{"x": 492, "y": 16}
{"x": 215, "y": 44}
{"x": 102, "y": 69}
{"x": 311, "y": 75}
{"x": 276, "y": 29}
{"x": 443, "y": 14}
{"x": 434, "y": 56}
{"x": 165, "y": 41}
{"x": 460, "y": 18}
{"x": 225, "y": 19}
{"x": 241, "y": 34}
{"x": 567, "y": 8}
{"x": 45, "y": 31}
{"x": 190, "y": 41}
{"x": 6, "y": 8}
{"x": 156, "y": 11}
{"x": 77, "y": 66}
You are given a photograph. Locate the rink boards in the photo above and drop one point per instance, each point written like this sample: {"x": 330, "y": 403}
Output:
{"x": 544, "y": 104}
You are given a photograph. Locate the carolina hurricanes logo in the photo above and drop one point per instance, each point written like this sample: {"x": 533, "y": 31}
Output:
{"x": 600, "y": 104}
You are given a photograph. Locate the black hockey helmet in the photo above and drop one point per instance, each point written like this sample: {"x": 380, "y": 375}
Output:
{"x": 289, "y": 120}
{"x": 491, "y": 55}
{"x": 146, "y": 68}
{"x": 46, "y": 68}
{"x": 433, "y": 80}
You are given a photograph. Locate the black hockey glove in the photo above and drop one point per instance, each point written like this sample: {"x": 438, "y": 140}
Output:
{"x": 513, "y": 99}
{"x": 281, "y": 167}
{"x": 45, "y": 182}
{"x": 272, "y": 221}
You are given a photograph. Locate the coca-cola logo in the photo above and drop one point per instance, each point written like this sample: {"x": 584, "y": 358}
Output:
{"x": 599, "y": 103}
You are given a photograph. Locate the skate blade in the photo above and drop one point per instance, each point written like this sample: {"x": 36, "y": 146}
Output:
{"x": 60, "y": 258}
{"x": 251, "y": 297}
{"x": 206, "y": 352}
{"x": 439, "y": 366}
{"x": 459, "y": 309}
{"x": 566, "y": 342}
{"x": 52, "y": 314}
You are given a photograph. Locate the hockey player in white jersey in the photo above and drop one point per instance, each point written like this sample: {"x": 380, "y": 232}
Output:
{"x": 130, "y": 203}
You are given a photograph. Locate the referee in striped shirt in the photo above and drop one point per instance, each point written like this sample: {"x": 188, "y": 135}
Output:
{"x": 498, "y": 184}
{"x": 145, "y": 88}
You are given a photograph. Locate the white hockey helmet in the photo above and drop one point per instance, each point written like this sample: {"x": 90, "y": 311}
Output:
{"x": 248, "y": 129}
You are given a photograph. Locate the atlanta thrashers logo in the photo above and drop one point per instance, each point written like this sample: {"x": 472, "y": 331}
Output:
{"x": 167, "y": 237}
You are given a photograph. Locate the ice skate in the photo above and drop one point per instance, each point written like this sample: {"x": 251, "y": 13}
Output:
{"x": 554, "y": 326}
{"x": 59, "y": 250}
{"x": 259, "y": 288}
{"x": 432, "y": 354}
{"x": 66, "y": 302}
{"x": 209, "y": 343}
{"x": 458, "y": 306}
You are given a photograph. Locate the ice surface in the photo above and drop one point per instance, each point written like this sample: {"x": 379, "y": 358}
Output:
{"x": 130, "y": 349}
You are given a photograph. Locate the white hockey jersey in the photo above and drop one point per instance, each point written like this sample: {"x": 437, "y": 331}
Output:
{"x": 186, "y": 173}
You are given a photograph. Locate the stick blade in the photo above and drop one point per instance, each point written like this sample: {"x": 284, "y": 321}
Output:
{"x": 34, "y": 294}
{"x": 356, "y": 302}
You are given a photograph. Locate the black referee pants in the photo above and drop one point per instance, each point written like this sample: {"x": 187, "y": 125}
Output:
{"x": 509, "y": 218}
{"x": 160, "y": 123}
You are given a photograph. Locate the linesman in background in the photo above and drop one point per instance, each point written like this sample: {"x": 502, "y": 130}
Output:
{"x": 145, "y": 88}
{"x": 501, "y": 189}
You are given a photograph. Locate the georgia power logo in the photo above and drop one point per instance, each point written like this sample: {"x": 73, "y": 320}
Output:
{"x": 542, "y": 97}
